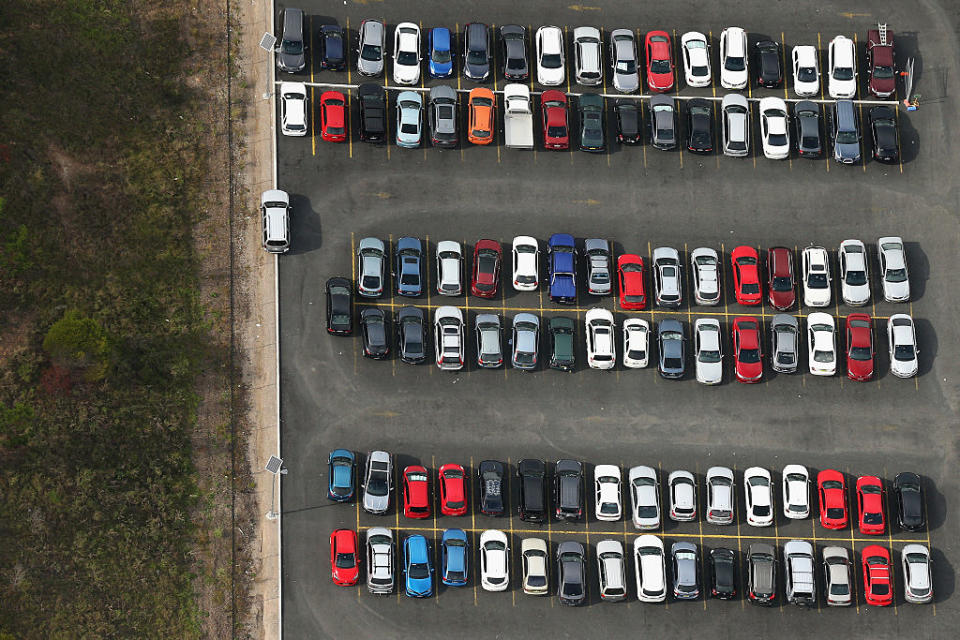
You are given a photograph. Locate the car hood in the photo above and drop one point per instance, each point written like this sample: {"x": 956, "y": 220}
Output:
{"x": 292, "y": 62}
{"x": 474, "y": 70}
{"x": 710, "y": 371}
{"x": 376, "y": 503}
{"x": 626, "y": 81}
{"x": 369, "y": 67}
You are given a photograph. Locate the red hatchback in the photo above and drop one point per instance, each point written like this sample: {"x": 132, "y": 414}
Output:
{"x": 486, "y": 268}
{"x": 859, "y": 347}
{"x": 781, "y": 291}
{"x": 877, "y": 578}
{"x": 344, "y": 559}
{"x": 833, "y": 499}
{"x": 453, "y": 490}
{"x": 870, "y": 505}
{"x": 416, "y": 492}
{"x": 659, "y": 61}
{"x": 333, "y": 116}
{"x": 746, "y": 275}
{"x": 630, "y": 271}
{"x": 556, "y": 132}
{"x": 747, "y": 352}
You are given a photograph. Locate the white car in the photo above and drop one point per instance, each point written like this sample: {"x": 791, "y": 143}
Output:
{"x": 816, "y": 277}
{"x": 774, "y": 131}
{"x": 494, "y": 560}
{"x": 796, "y": 492}
{"x": 636, "y": 343}
{"x": 721, "y": 495}
{"x": 758, "y": 493}
{"x": 534, "y": 556}
{"x": 526, "y": 257}
{"x": 587, "y": 56}
{"x": 837, "y": 576}
{"x": 705, "y": 264}
{"x": 293, "y": 109}
{"x": 902, "y": 338}
{"x": 448, "y": 338}
{"x": 683, "y": 496}
{"x": 650, "y": 566}
{"x": 708, "y": 350}
{"x": 611, "y": 570}
{"x": 917, "y": 575}
{"x": 644, "y": 497}
{"x": 842, "y": 68}
{"x": 806, "y": 71}
{"x": 854, "y": 273}
{"x": 449, "y": 268}
{"x": 822, "y": 344}
{"x": 893, "y": 269}
{"x": 550, "y": 63}
{"x": 734, "y": 58}
{"x": 379, "y": 560}
{"x": 601, "y": 344}
{"x": 406, "y": 54}
{"x": 606, "y": 480}
{"x": 735, "y": 125}
{"x": 696, "y": 59}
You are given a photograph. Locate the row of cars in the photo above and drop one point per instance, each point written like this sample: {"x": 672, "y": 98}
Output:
{"x": 652, "y": 578}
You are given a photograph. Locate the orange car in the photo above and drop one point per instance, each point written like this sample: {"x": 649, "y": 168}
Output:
{"x": 483, "y": 106}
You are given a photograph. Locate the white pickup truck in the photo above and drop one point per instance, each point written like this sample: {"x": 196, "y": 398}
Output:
{"x": 518, "y": 117}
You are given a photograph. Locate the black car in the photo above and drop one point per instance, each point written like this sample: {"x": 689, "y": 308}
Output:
{"x": 699, "y": 126}
{"x": 883, "y": 127}
{"x": 490, "y": 476}
{"x": 513, "y": 39}
{"x": 571, "y": 573}
{"x": 767, "y": 63}
{"x": 909, "y": 492}
{"x": 562, "y": 351}
{"x": 628, "y": 122}
{"x": 723, "y": 583}
{"x": 533, "y": 495}
{"x": 806, "y": 117}
{"x": 373, "y": 327}
{"x": 568, "y": 489}
{"x": 592, "y": 136}
{"x": 373, "y": 113}
{"x": 411, "y": 335}
{"x": 339, "y": 307}
{"x": 476, "y": 51}
{"x": 332, "y": 48}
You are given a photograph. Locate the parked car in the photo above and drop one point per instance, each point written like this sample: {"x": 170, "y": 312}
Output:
{"x": 487, "y": 257}
{"x": 745, "y": 262}
{"x": 758, "y": 494}
{"x": 494, "y": 560}
{"x": 482, "y": 107}
{"x": 593, "y": 138}
{"x": 893, "y": 269}
{"x": 333, "y": 116}
{"x": 686, "y": 571}
{"x": 659, "y": 53}
{"x": 767, "y": 55}
{"x": 373, "y": 113}
{"x": 291, "y": 52}
{"x": 628, "y": 122}
{"x": 723, "y": 573}
{"x": 344, "y": 557}
{"x": 800, "y": 580}
{"x": 611, "y": 570}
{"x": 774, "y": 132}
{"x": 406, "y": 54}
{"x": 696, "y": 59}
{"x": 408, "y": 257}
{"x": 650, "y": 567}
{"x": 667, "y": 280}
{"x": 846, "y": 133}
{"x": 533, "y": 558}
{"x": 699, "y": 126}
{"x": 761, "y": 573}
{"x": 409, "y": 119}
{"x": 721, "y": 495}
{"x": 380, "y": 566}
{"x": 442, "y": 116}
{"x": 883, "y": 131}
{"x": 784, "y": 343}
{"x": 568, "y": 489}
{"x": 377, "y": 482}
{"x": 452, "y": 480}
{"x": 880, "y": 63}
{"x": 489, "y": 349}
{"x": 735, "y": 125}
{"x": 587, "y": 56}
{"x": 670, "y": 342}
{"x": 909, "y": 492}
{"x": 571, "y": 573}
{"x": 333, "y": 51}
{"x": 556, "y": 125}
{"x": 708, "y": 351}
{"x": 375, "y": 333}
{"x": 601, "y": 344}
{"x": 454, "y": 558}
{"x": 561, "y": 332}
{"x": 371, "y": 267}
{"x": 682, "y": 487}
{"x": 859, "y": 347}
{"x": 747, "y": 349}
{"x": 842, "y": 68}
{"x": 636, "y": 343}
{"x": 705, "y": 265}
{"x": 562, "y": 255}
{"x": 599, "y": 282}
{"x": 854, "y": 273}
{"x": 339, "y": 306}
{"x": 526, "y": 259}
{"x": 526, "y": 341}
{"x": 606, "y": 480}
{"x": 644, "y": 497}
{"x": 781, "y": 292}
{"x": 440, "y": 52}
{"x": 448, "y": 338}
{"x": 870, "y": 516}
{"x": 917, "y": 574}
{"x": 550, "y": 59}
{"x": 513, "y": 40}
{"x": 416, "y": 492}
{"x": 532, "y": 474}
{"x": 449, "y": 268}
{"x": 624, "y": 60}
{"x": 806, "y": 71}
{"x": 821, "y": 344}
{"x": 341, "y": 475}
{"x": 371, "y": 48}
{"x": 275, "y": 221}
{"x": 293, "y": 109}
{"x": 632, "y": 290}
{"x": 733, "y": 58}
{"x": 816, "y": 277}
{"x": 417, "y": 567}
{"x": 490, "y": 478}
{"x": 832, "y": 489}
{"x": 806, "y": 118}
{"x": 796, "y": 491}
{"x": 477, "y": 52}
{"x": 877, "y": 576}
{"x": 663, "y": 122}
{"x": 837, "y": 576}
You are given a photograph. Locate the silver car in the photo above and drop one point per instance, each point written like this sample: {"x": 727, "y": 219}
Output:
{"x": 449, "y": 268}
{"x": 644, "y": 497}
{"x": 587, "y": 56}
{"x": 275, "y": 217}
{"x": 854, "y": 273}
{"x": 686, "y": 584}
{"x": 489, "y": 351}
{"x": 611, "y": 567}
{"x": 534, "y": 559}
{"x": 837, "y": 576}
{"x": 735, "y": 124}
{"x": 623, "y": 57}
{"x": 663, "y": 122}
{"x": 667, "y": 277}
{"x": 683, "y": 496}
{"x": 448, "y": 338}
{"x": 705, "y": 265}
{"x": 377, "y": 482}
{"x": 371, "y": 48}
{"x": 526, "y": 337}
{"x": 598, "y": 266}
{"x": 902, "y": 338}
{"x": 784, "y": 343}
{"x": 409, "y": 119}
{"x": 371, "y": 267}
{"x": 893, "y": 269}
{"x": 442, "y": 116}
{"x": 708, "y": 350}
{"x": 380, "y": 568}
{"x": 917, "y": 576}
{"x": 720, "y": 495}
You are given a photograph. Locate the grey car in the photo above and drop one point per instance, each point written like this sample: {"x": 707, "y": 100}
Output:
{"x": 623, "y": 58}
{"x": 686, "y": 584}
{"x": 411, "y": 335}
{"x": 571, "y": 572}
{"x": 735, "y": 125}
{"x": 442, "y": 116}
{"x": 371, "y": 267}
{"x": 599, "y": 282}
{"x": 377, "y": 482}
{"x": 761, "y": 573}
{"x": 291, "y": 54}
{"x": 663, "y": 122}
{"x": 846, "y": 133}
{"x": 838, "y": 581}
{"x": 806, "y": 117}
{"x": 784, "y": 343}
{"x": 526, "y": 337}
{"x": 670, "y": 340}
{"x": 514, "y": 39}
{"x": 371, "y": 47}
{"x": 667, "y": 277}
{"x": 476, "y": 51}
{"x": 489, "y": 351}
{"x": 409, "y": 119}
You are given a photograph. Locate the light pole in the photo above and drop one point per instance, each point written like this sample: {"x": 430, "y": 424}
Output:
{"x": 267, "y": 43}
{"x": 274, "y": 466}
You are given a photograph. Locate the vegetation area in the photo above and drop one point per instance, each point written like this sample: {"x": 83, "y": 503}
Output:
{"x": 105, "y": 154}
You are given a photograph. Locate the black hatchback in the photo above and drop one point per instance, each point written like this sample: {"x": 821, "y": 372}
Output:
{"x": 490, "y": 477}
{"x": 411, "y": 335}
{"x": 806, "y": 118}
{"x": 883, "y": 128}
{"x": 532, "y": 474}
{"x": 339, "y": 307}
{"x": 909, "y": 492}
{"x": 769, "y": 70}
{"x": 628, "y": 122}
{"x": 723, "y": 583}
{"x": 699, "y": 126}
{"x": 332, "y": 48}
{"x": 568, "y": 489}
{"x": 373, "y": 326}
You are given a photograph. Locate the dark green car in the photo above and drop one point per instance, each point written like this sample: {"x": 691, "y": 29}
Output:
{"x": 592, "y": 137}
{"x": 561, "y": 343}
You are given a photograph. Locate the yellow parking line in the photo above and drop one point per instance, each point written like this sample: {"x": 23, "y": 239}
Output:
{"x": 456, "y": 36}
{"x": 889, "y": 522}
{"x": 823, "y": 80}
{"x": 353, "y": 295}
{"x": 863, "y": 154}
{"x": 652, "y": 300}
{"x": 425, "y": 129}
{"x": 396, "y": 510}
{"x": 743, "y": 600}
{"x": 926, "y": 529}
{"x": 503, "y": 307}
{"x": 349, "y": 93}
{"x": 432, "y": 473}
{"x": 700, "y": 514}
{"x": 387, "y": 121}
{"x": 813, "y": 529}
{"x": 313, "y": 135}
{"x": 753, "y": 134}
{"x": 666, "y": 602}
{"x": 473, "y": 525}
{"x": 513, "y": 592}
{"x": 899, "y": 150}
{"x": 853, "y": 546}
{"x": 356, "y": 502}
{"x": 713, "y": 89}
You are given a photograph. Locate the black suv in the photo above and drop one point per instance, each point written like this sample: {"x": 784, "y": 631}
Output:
{"x": 533, "y": 495}
{"x": 722, "y": 573}
{"x": 628, "y": 122}
{"x": 490, "y": 475}
{"x": 373, "y": 113}
{"x": 568, "y": 489}
{"x": 769, "y": 72}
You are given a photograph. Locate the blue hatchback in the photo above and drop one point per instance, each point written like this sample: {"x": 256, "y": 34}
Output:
{"x": 340, "y": 474}
{"x": 453, "y": 558}
{"x": 409, "y": 257}
{"x": 440, "y": 52}
{"x": 417, "y": 568}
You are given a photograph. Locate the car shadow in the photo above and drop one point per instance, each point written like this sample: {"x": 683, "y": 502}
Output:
{"x": 305, "y": 226}
{"x": 918, "y": 266}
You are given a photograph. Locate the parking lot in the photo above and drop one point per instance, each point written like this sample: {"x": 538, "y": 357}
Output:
{"x": 638, "y": 198}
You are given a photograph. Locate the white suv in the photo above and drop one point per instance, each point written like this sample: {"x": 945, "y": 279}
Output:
{"x": 275, "y": 212}
{"x": 586, "y": 56}
{"x": 612, "y": 570}
{"x": 651, "y": 568}
{"x": 448, "y": 338}
{"x": 293, "y": 108}
{"x": 816, "y": 277}
{"x": 379, "y": 560}
{"x": 720, "y": 495}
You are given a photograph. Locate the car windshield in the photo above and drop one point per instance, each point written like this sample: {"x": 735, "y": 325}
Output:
{"x": 843, "y": 73}
{"x": 371, "y": 282}
{"x": 835, "y": 513}
{"x": 551, "y": 61}
{"x": 895, "y": 275}
{"x": 823, "y": 356}
{"x": 847, "y": 137}
{"x": 556, "y": 132}
{"x": 699, "y": 111}
{"x": 660, "y": 66}
{"x": 861, "y": 353}
{"x": 536, "y": 581}
{"x": 340, "y": 318}
{"x": 646, "y": 511}
{"x": 407, "y": 58}
{"x": 409, "y": 128}
{"x": 345, "y": 560}
{"x": 882, "y": 71}
{"x": 377, "y": 486}
{"x": 292, "y": 47}
{"x": 709, "y": 357}
{"x": 636, "y": 354}
{"x": 817, "y": 281}
{"x": 370, "y": 52}
{"x": 806, "y": 74}
{"x": 749, "y": 356}
{"x": 839, "y": 589}
{"x": 516, "y": 63}
{"x": 419, "y": 571}
{"x": 748, "y": 287}
{"x": 441, "y": 56}
{"x": 777, "y": 139}
{"x": 856, "y": 278}
{"x": 782, "y": 283}
{"x": 475, "y": 56}
{"x": 903, "y": 352}
{"x": 734, "y": 63}
{"x": 626, "y": 66}
{"x": 409, "y": 279}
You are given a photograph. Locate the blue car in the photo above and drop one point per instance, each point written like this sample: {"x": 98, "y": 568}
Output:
{"x": 453, "y": 558}
{"x": 409, "y": 255}
{"x": 563, "y": 268}
{"x": 440, "y": 53}
{"x": 417, "y": 568}
{"x": 409, "y": 119}
{"x": 340, "y": 474}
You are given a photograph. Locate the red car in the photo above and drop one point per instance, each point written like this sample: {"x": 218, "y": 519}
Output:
{"x": 870, "y": 505}
{"x": 859, "y": 347}
{"x": 416, "y": 492}
{"x": 877, "y": 579}
{"x": 833, "y": 499}
{"x": 746, "y": 275}
{"x": 659, "y": 61}
{"x": 630, "y": 270}
{"x": 344, "y": 559}
{"x": 556, "y": 134}
{"x": 747, "y": 350}
{"x": 880, "y": 65}
{"x": 453, "y": 490}
{"x": 486, "y": 268}
{"x": 333, "y": 116}
{"x": 781, "y": 291}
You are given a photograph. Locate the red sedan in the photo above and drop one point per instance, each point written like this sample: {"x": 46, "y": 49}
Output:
{"x": 333, "y": 116}
{"x": 870, "y": 505}
{"x": 659, "y": 61}
{"x": 877, "y": 578}
{"x": 780, "y": 286}
{"x": 833, "y": 499}
{"x": 486, "y": 268}
{"x": 453, "y": 490}
{"x": 344, "y": 558}
{"x": 746, "y": 275}
{"x": 556, "y": 134}
{"x": 416, "y": 492}
{"x": 859, "y": 347}
{"x": 632, "y": 293}
{"x": 747, "y": 351}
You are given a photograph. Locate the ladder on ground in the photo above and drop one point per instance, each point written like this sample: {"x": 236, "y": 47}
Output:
{"x": 882, "y": 28}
